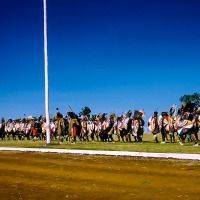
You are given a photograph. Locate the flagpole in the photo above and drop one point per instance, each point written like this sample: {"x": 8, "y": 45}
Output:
{"x": 46, "y": 77}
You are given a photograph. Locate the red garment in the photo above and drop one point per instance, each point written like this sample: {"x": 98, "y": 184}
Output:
{"x": 34, "y": 131}
{"x": 74, "y": 131}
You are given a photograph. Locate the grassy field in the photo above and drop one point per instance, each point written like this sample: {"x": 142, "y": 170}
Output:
{"x": 148, "y": 145}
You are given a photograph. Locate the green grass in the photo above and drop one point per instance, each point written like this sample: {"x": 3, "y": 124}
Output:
{"x": 148, "y": 145}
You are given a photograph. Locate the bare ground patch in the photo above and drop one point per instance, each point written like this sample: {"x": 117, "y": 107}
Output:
{"x": 30, "y": 175}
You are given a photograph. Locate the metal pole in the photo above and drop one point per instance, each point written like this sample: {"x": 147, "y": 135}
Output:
{"x": 46, "y": 77}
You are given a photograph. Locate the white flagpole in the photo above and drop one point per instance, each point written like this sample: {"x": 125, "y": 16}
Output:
{"x": 46, "y": 77}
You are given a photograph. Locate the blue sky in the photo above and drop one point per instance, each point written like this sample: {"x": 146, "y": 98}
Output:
{"x": 109, "y": 55}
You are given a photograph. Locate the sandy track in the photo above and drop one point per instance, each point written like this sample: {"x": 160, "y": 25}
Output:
{"x": 36, "y": 175}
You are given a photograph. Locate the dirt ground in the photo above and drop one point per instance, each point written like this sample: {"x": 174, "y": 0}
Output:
{"x": 27, "y": 175}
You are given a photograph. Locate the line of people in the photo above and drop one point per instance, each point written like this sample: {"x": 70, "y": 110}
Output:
{"x": 127, "y": 128}
{"x": 185, "y": 124}
{"x": 71, "y": 127}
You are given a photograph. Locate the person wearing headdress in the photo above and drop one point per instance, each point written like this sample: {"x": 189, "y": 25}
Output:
{"x": 85, "y": 128}
{"x": 163, "y": 123}
{"x": 53, "y": 128}
{"x": 111, "y": 127}
{"x": 37, "y": 129}
{"x": 9, "y": 129}
{"x": 104, "y": 124}
{"x": 43, "y": 127}
{"x": 73, "y": 125}
{"x": 196, "y": 122}
{"x": 21, "y": 129}
{"x": 172, "y": 128}
{"x": 138, "y": 116}
{"x": 119, "y": 127}
{"x": 126, "y": 128}
{"x": 186, "y": 124}
{"x": 94, "y": 127}
{"x": 61, "y": 128}
{"x": 129, "y": 126}
{"x": 153, "y": 124}
{"x": 2, "y": 128}
{"x": 29, "y": 127}
{"x": 98, "y": 127}
{"x": 134, "y": 129}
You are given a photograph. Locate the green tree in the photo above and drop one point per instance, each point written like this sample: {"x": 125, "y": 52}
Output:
{"x": 193, "y": 98}
{"x": 85, "y": 111}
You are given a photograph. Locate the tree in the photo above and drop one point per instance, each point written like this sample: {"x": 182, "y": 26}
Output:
{"x": 194, "y": 98}
{"x": 85, "y": 111}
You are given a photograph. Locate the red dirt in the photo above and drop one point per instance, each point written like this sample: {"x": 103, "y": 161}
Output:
{"x": 27, "y": 175}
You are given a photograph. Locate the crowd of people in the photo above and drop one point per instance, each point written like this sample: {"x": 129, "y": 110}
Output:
{"x": 126, "y": 128}
{"x": 85, "y": 128}
{"x": 184, "y": 124}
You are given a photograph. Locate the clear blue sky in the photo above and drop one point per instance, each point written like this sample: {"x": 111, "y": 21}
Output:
{"x": 109, "y": 55}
